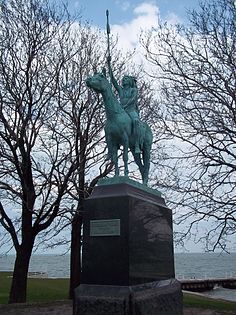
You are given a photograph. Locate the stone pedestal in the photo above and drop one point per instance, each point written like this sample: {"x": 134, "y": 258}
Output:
{"x": 155, "y": 298}
{"x": 127, "y": 255}
{"x": 127, "y": 236}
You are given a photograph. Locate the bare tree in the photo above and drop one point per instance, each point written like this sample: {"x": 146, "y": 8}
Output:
{"x": 195, "y": 67}
{"x": 36, "y": 160}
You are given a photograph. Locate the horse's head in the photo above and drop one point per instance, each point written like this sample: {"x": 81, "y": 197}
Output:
{"x": 98, "y": 82}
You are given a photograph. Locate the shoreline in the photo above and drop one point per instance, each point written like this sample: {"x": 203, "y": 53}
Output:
{"x": 221, "y": 296}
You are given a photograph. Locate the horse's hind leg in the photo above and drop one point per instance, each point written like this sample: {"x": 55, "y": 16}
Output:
{"x": 115, "y": 160}
{"x": 138, "y": 161}
{"x": 146, "y": 163}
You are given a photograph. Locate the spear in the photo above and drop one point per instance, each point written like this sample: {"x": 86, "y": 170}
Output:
{"x": 108, "y": 33}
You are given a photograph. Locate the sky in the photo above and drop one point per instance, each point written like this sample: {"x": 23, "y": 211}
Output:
{"x": 122, "y": 12}
{"x": 128, "y": 19}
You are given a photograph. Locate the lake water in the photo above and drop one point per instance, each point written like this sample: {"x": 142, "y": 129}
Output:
{"x": 187, "y": 266}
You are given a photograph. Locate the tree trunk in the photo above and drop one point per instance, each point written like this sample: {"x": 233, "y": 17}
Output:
{"x": 75, "y": 257}
{"x": 19, "y": 280}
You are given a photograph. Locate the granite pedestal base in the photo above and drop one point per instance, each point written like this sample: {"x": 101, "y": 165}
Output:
{"x": 127, "y": 236}
{"x": 155, "y": 298}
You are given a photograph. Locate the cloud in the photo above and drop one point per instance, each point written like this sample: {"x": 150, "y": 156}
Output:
{"x": 172, "y": 19}
{"x": 124, "y": 5}
{"x": 146, "y": 8}
{"x": 146, "y": 16}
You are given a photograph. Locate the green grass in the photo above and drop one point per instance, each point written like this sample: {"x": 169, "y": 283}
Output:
{"x": 5, "y": 283}
{"x": 193, "y": 300}
{"x": 39, "y": 290}
{"x": 46, "y": 290}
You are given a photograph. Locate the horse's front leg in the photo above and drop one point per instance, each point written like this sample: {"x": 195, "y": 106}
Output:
{"x": 125, "y": 155}
{"x": 109, "y": 146}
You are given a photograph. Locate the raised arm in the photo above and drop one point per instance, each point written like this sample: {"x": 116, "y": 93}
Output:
{"x": 113, "y": 80}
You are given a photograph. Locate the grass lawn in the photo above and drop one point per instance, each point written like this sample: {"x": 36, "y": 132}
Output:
{"x": 39, "y": 290}
{"x": 193, "y": 300}
{"x": 46, "y": 290}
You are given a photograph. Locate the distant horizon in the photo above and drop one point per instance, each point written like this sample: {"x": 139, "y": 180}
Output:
{"x": 68, "y": 254}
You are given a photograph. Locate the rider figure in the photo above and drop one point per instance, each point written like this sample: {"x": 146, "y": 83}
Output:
{"x": 128, "y": 94}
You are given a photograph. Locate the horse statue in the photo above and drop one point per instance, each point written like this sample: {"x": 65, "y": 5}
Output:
{"x": 118, "y": 129}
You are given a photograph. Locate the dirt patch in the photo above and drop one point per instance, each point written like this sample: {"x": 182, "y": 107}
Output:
{"x": 199, "y": 311}
{"x": 54, "y": 308}
{"x": 65, "y": 308}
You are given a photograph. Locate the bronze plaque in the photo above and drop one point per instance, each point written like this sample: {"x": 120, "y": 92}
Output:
{"x": 109, "y": 227}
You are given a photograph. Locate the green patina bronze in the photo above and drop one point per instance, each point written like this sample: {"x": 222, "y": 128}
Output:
{"x": 123, "y": 126}
{"x": 126, "y": 180}
{"x": 128, "y": 95}
{"x": 119, "y": 129}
